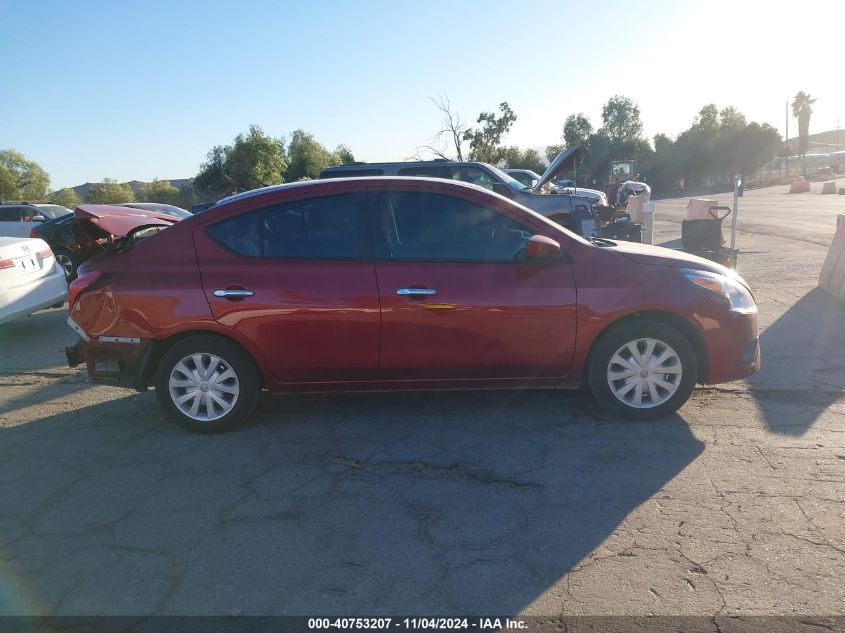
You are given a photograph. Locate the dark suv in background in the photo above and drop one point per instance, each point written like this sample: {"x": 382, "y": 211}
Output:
{"x": 574, "y": 212}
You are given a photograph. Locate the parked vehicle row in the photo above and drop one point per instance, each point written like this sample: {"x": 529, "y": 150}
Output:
{"x": 30, "y": 278}
{"x": 17, "y": 220}
{"x": 61, "y": 233}
{"x": 398, "y": 283}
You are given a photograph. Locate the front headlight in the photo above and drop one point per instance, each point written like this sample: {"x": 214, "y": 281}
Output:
{"x": 731, "y": 287}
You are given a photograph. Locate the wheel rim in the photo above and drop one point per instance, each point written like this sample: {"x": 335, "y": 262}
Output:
{"x": 644, "y": 373}
{"x": 204, "y": 387}
{"x": 66, "y": 264}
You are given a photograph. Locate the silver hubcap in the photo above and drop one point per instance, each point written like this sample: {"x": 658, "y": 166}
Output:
{"x": 644, "y": 373}
{"x": 66, "y": 264}
{"x": 204, "y": 387}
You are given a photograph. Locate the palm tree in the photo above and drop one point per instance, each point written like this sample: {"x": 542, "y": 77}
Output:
{"x": 802, "y": 110}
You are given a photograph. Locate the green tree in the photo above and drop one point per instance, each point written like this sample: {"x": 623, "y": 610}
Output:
{"x": 485, "y": 142}
{"x": 110, "y": 192}
{"x": 708, "y": 118}
{"x": 802, "y": 110}
{"x": 731, "y": 118}
{"x": 554, "y": 150}
{"x": 514, "y": 158}
{"x": 343, "y": 155}
{"x": 21, "y": 179}
{"x": 577, "y": 130}
{"x": 65, "y": 197}
{"x": 621, "y": 120}
{"x": 160, "y": 191}
{"x": 252, "y": 160}
{"x": 307, "y": 157}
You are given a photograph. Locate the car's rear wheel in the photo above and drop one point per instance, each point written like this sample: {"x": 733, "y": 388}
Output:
{"x": 68, "y": 261}
{"x": 207, "y": 384}
{"x": 642, "y": 370}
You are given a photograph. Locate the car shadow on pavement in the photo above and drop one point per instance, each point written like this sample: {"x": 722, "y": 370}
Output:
{"x": 412, "y": 503}
{"x": 803, "y": 362}
{"x": 35, "y": 343}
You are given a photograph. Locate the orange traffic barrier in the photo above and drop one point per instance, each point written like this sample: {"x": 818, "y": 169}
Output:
{"x": 829, "y": 187}
{"x": 799, "y": 186}
{"x": 832, "y": 277}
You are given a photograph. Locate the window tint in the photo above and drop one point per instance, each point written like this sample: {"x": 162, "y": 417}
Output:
{"x": 351, "y": 173}
{"x": 10, "y": 214}
{"x": 430, "y": 171}
{"x": 316, "y": 228}
{"x": 421, "y": 226}
{"x": 474, "y": 175}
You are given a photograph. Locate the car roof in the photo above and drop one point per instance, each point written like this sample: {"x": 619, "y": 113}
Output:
{"x": 360, "y": 182}
{"x": 406, "y": 163}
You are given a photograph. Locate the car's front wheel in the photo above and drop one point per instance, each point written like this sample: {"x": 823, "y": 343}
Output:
{"x": 207, "y": 384}
{"x": 642, "y": 370}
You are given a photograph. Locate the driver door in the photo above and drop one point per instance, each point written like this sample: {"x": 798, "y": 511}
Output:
{"x": 458, "y": 298}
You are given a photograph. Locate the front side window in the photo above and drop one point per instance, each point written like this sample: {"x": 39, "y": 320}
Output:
{"x": 474, "y": 175}
{"x": 330, "y": 227}
{"x": 418, "y": 226}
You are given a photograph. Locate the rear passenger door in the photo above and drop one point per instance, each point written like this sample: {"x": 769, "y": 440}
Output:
{"x": 297, "y": 278}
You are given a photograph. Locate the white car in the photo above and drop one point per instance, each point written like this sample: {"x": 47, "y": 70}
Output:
{"x": 30, "y": 278}
{"x": 17, "y": 220}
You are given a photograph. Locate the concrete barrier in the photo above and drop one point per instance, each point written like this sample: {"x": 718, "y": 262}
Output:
{"x": 828, "y": 188}
{"x": 648, "y": 223}
{"x": 634, "y": 207}
{"x": 832, "y": 277}
{"x": 799, "y": 186}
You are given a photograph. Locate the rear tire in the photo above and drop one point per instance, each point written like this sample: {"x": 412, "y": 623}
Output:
{"x": 68, "y": 261}
{"x": 207, "y": 384}
{"x": 642, "y": 370}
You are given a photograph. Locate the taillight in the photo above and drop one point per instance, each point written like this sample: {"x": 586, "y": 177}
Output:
{"x": 45, "y": 253}
{"x": 6, "y": 263}
{"x": 32, "y": 233}
{"x": 79, "y": 285}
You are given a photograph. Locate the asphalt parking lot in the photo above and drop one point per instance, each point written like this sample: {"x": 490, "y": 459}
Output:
{"x": 483, "y": 502}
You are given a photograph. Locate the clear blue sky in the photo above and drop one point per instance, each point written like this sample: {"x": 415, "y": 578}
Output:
{"x": 94, "y": 89}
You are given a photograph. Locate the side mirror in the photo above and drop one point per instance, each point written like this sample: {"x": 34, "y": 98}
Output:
{"x": 503, "y": 190}
{"x": 39, "y": 218}
{"x": 541, "y": 247}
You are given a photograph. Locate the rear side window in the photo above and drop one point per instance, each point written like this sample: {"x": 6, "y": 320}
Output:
{"x": 10, "y": 214}
{"x": 330, "y": 227}
{"x": 351, "y": 173}
{"x": 426, "y": 171}
{"x": 419, "y": 226}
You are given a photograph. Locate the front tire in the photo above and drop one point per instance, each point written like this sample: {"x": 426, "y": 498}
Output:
{"x": 642, "y": 370}
{"x": 207, "y": 384}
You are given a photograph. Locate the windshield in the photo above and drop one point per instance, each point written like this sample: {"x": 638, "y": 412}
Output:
{"x": 52, "y": 211}
{"x": 508, "y": 180}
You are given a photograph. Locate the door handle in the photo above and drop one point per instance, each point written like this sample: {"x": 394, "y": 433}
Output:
{"x": 416, "y": 292}
{"x": 233, "y": 293}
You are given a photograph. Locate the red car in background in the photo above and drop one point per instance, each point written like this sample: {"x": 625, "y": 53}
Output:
{"x": 401, "y": 283}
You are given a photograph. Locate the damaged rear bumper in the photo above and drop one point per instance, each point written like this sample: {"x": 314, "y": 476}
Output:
{"x": 115, "y": 360}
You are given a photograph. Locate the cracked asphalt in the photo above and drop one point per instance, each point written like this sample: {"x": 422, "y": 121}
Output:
{"x": 449, "y": 503}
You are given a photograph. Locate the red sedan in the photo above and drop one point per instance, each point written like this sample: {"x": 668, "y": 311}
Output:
{"x": 401, "y": 283}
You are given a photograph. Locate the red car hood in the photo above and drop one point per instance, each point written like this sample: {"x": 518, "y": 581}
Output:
{"x": 98, "y": 225}
{"x": 659, "y": 256}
